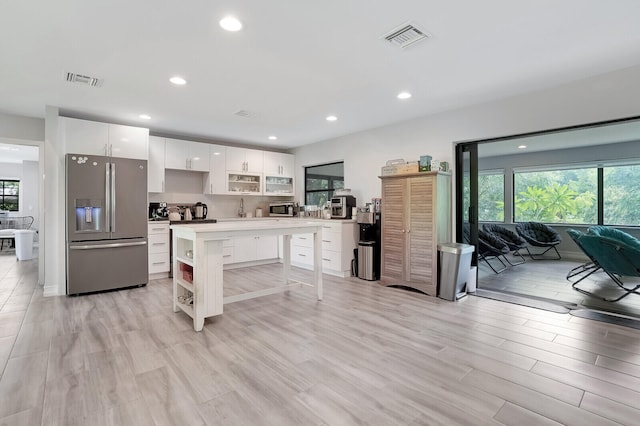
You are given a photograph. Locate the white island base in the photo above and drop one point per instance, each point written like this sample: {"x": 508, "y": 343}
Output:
{"x": 198, "y": 263}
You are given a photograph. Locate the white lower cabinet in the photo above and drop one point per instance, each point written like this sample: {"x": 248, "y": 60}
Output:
{"x": 251, "y": 249}
{"x": 339, "y": 238}
{"x": 158, "y": 243}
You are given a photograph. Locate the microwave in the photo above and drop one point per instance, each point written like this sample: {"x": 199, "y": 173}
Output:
{"x": 282, "y": 209}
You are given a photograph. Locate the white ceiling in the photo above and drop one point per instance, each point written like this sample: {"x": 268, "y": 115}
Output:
{"x": 295, "y": 62}
{"x": 618, "y": 132}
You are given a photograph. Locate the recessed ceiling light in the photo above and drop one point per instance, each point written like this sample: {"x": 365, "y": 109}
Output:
{"x": 216, "y": 153}
{"x": 332, "y": 118}
{"x": 145, "y": 116}
{"x": 522, "y": 146}
{"x": 230, "y": 23}
{"x": 178, "y": 81}
{"x": 273, "y": 138}
{"x": 404, "y": 95}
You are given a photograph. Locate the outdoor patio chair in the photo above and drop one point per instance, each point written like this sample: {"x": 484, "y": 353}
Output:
{"x": 617, "y": 259}
{"x": 584, "y": 270}
{"x": 539, "y": 235}
{"x": 491, "y": 247}
{"x": 514, "y": 241}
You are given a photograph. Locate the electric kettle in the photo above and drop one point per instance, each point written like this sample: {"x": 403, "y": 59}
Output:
{"x": 200, "y": 210}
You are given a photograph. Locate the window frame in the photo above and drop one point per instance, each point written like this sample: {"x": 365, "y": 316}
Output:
{"x": 330, "y": 190}
{"x": 599, "y": 168}
{"x": 3, "y": 196}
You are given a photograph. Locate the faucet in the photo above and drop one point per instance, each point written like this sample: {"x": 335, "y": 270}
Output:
{"x": 241, "y": 212}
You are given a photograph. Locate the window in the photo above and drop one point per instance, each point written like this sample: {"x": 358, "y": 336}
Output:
{"x": 491, "y": 197}
{"x": 321, "y": 181}
{"x": 9, "y": 195}
{"x": 556, "y": 196}
{"x": 621, "y": 196}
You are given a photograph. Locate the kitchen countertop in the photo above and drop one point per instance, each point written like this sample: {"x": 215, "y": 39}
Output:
{"x": 251, "y": 219}
{"x": 282, "y": 218}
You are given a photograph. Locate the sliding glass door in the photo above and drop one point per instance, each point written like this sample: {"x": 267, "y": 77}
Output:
{"x": 467, "y": 195}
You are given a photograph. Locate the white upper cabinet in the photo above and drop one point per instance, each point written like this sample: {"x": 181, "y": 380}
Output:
{"x": 155, "y": 169}
{"x": 95, "y": 138}
{"x": 214, "y": 181}
{"x": 128, "y": 142}
{"x": 244, "y": 160}
{"x": 279, "y": 164}
{"x": 85, "y": 137}
{"x": 186, "y": 155}
{"x": 278, "y": 173}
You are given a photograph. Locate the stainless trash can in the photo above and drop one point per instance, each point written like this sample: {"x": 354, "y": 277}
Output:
{"x": 366, "y": 250}
{"x": 454, "y": 262}
{"x": 24, "y": 244}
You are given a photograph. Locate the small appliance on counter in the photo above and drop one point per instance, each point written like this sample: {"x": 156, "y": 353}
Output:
{"x": 283, "y": 208}
{"x": 158, "y": 211}
{"x": 174, "y": 214}
{"x": 200, "y": 210}
{"x": 342, "y": 206}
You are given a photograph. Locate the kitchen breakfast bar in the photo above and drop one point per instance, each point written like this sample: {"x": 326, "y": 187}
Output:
{"x": 198, "y": 281}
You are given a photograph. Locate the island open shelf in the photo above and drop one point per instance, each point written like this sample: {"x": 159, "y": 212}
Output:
{"x": 198, "y": 281}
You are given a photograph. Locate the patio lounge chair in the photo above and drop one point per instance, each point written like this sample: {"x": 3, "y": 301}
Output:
{"x": 618, "y": 258}
{"x": 491, "y": 247}
{"x": 584, "y": 270}
{"x": 510, "y": 238}
{"x": 539, "y": 235}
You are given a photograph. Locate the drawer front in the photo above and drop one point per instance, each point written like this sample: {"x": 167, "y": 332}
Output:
{"x": 331, "y": 227}
{"x": 159, "y": 228}
{"x": 158, "y": 262}
{"x": 302, "y": 240}
{"x": 331, "y": 260}
{"x": 227, "y": 254}
{"x": 331, "y": 241}
{"x": 302, "y": 255}
{"x": 158, "y": 243}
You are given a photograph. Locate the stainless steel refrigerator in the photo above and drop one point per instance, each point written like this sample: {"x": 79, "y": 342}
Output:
{"x": 106, "y": 223}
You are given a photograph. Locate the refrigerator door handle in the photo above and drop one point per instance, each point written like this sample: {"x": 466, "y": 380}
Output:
{"x": 113, "y": 197}
{"x": 107, "y": 199}
{"x": 105, "y": 246}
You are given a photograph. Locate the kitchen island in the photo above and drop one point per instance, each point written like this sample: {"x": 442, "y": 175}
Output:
{"x": 198, "y": 263}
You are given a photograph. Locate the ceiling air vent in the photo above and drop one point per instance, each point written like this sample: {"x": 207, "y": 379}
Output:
{"x": 83, "y": 79}
{"x": 242, "y": 113}
{"x": 406, "y": 35}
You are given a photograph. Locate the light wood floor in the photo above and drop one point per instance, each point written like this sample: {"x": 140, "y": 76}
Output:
{"x": 547, "y": 279}
{"x": 364, "y": 355}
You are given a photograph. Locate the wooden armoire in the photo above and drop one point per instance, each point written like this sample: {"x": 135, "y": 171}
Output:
{"x": 416, "y": 216}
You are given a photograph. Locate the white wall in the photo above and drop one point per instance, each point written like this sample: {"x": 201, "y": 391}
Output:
{"x": 609, "y": 96}
{"x": 54, "y": 238}
{"x": 20, "y": 127}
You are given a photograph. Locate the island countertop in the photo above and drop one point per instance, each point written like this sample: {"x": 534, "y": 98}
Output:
{"x": 198, "y": 250}
{"x": 239, "y": 226}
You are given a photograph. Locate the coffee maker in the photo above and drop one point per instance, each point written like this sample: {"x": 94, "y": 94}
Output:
{"x": 158, "y": 211}
{"x": 341, "y": 206}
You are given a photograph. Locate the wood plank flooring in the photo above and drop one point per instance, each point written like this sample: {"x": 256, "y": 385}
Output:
{"x": 365, "y": 355}
{"x": 547, "y": 279}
